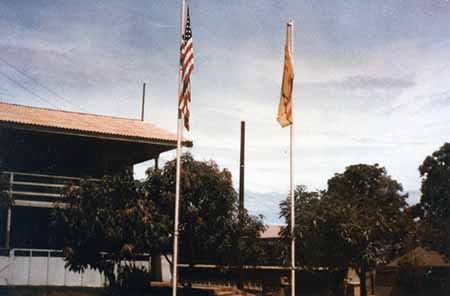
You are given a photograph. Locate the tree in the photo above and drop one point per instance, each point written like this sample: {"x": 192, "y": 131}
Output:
{"x": 105, "y": 224}
{"x": 318, "y": 241}
{"x": 435, "y": 200}
{"x": 244, "y": 246}
{"x": 370, "y": 216}
{"x": 209, "y": 221}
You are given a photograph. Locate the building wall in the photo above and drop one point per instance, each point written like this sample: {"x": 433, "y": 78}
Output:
{"x": 46, "y": 153}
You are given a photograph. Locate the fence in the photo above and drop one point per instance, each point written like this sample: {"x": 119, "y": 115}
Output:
{"x": 37, "y": 190}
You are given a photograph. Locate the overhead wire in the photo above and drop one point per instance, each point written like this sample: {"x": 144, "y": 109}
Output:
{"x": 35, "y": 94}
{"x": 28, "y": 90}
{"x": 68, "y": 101}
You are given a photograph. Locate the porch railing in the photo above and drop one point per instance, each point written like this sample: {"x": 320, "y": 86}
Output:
{"x": 38, "y": 190}
{"x": 38, "y": 267}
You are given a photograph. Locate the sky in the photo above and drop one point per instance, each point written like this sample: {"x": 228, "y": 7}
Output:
{"x": 372, "y": 79}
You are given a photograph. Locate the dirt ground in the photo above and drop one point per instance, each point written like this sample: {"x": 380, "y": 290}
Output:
{"x": 73, "y": 291}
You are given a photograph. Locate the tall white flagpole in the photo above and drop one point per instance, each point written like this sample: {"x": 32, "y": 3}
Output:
{"x": 291, "y": 47}
{"x": 177, "y": 182}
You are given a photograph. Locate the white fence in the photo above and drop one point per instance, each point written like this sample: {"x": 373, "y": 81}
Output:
{"x": 30, "y": 267}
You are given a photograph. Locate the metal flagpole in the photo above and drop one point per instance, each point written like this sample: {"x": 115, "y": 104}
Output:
{"x": 291, "y": 47}
{"x": 177, "y": 182}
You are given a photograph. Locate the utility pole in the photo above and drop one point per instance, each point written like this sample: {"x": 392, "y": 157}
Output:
{"x": 241, "y": 171}
{"x": 143, "y": 102}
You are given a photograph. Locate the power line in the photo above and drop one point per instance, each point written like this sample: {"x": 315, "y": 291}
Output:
{"x": 41, "y": 85}
{"x": 33, "y": 93}
{"x": 28, "y": 90}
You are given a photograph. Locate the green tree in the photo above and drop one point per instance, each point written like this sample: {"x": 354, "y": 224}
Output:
{"x": 105, "y": 224}
{"x": 210, "y": 228}
{"x": 244, "y": 247}
{"x": 435, "y": 200}
{"x": 318, "y": 240}
{"x": 370, "y": 216}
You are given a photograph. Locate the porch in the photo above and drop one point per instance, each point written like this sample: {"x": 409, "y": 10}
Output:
{"x": 28, "y": 220}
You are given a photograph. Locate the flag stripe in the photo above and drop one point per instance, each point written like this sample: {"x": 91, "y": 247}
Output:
{"x": 186, "y": 68}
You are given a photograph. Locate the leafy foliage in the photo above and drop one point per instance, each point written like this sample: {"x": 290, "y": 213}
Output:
{"x": 373, "y": 225}
{"x": 209, "y": 222}
{"x": 435, "y": 200}
{"x": 372, "y": 209}
{"x": 107, "y": 223}
{"x": 245, "y": 248}
{"x": 358, "y": 222}
{"x": 318, "y": 240}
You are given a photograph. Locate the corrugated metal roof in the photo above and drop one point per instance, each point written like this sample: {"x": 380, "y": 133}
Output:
{"x": 84, "y": 123}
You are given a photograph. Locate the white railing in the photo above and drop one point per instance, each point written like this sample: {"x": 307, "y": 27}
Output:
{"x": 33, "y": 267}
{"x": 45, "y": 267}
{"x": 37, "y": 190}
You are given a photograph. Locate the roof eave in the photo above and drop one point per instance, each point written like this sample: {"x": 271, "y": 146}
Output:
{"x": 104, "y": 136}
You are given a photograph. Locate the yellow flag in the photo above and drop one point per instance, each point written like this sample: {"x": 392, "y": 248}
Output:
{"x": 284, "y": 117}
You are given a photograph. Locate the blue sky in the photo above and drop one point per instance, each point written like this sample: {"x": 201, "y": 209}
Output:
{"x": 372, "y": 79}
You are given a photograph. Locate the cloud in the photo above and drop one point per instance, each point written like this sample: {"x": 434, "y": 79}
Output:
{"x": 266, "y": 203}
{"x": 364, "y": 82}
{"x": 379, "y": 95}
{"x": 372, "y": 83}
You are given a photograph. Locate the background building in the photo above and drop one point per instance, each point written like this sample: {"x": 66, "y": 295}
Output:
{"x": 42, "y": 151}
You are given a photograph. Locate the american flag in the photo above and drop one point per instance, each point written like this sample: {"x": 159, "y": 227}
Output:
{"x": 187, "y": 66}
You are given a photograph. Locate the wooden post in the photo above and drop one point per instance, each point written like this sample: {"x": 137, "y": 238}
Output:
{"x": 8, "y": 215}
{"x": 143, "y": 102}
{"x": 242, "y": 171}
{"x": 8, "y": 229}
{"x": 157, "y": 162}
{"x": 240, "y": 283}
{"x": 372, "y": 281}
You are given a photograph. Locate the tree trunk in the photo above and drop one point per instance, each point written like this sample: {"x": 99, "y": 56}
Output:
{"x": 362, "y": 281}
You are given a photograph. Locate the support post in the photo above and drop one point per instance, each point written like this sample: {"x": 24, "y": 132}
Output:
{"x": 8, "y": 228}
{"x": 157, "y": 162}
{"x": 8, "y": 215}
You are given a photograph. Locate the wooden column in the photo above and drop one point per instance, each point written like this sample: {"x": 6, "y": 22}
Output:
{"x": 8, "y": 215}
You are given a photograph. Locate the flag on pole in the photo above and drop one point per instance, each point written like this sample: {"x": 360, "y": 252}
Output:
{"x": 284, "y": 117}
{"x": 187, "y": 66}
